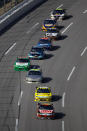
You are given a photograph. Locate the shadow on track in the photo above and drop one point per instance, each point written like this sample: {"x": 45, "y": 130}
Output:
{"x": 59, "y": 115}
{"x": 68, "y": 17}
{"x": 46, "y": 79}
{"x": 63, "y": 37}
{"x": 60, "y": 27}
{"x": 56, "y": 98}
{"x": 48, "y": 56}
{"x": 55, "y": 48}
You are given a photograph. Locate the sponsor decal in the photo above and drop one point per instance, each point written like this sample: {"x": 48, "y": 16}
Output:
{"x": 21, "y": 64}
{"x": 46, "y": 111}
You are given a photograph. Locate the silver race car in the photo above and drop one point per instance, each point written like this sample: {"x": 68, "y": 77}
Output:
{"x": 34, "y": 75}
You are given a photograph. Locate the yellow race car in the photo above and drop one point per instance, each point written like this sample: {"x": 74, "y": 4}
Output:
{"x": 48, "y": 23}
{"x": 43, "y": 94}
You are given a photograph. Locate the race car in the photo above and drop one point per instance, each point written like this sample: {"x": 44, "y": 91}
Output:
{"x": 45, "y": 110}
{"x": 34, "y": 75}
{"x": 35, "y": 67}
{"x": 36, "y": 53}
{"x": 43, "y": 94}
{"x": 58, "y": 13}
{"x": 45, "y": 43}
{"x": 49, "y": 23}
{"x": 22, "y": 64}
{"x": 53, "y": 33}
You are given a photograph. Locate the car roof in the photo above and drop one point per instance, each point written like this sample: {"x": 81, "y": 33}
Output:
{"x": 36, "y": 47}
{"x": 50, "y": 20}
{"x": 52, "y": 29}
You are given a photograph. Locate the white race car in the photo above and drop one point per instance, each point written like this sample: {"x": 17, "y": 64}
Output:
{"x": 53, "y": 33}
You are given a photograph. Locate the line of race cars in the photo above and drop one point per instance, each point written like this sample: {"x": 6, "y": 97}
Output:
{"x": 43, "y": 94}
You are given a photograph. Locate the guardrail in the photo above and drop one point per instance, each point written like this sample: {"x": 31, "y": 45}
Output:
{"x": 18, "y": 11}
{"x": 6, "y": 5}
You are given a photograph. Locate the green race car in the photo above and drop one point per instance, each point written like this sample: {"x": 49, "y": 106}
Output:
{"x": 22, "y": 64}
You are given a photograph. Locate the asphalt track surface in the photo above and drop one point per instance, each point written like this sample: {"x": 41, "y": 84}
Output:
{"x": 64, "y": 70}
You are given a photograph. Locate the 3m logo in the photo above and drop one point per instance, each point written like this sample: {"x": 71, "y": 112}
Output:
{"x": 46, "y": 111}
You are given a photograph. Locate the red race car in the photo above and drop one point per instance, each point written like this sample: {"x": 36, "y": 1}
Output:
{"x": 45, "y": 110}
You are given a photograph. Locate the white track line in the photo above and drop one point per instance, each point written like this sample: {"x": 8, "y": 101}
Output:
{"x": 16, "y": 126}
{"x": 84, "y": 11}
{"x": 84, "y": 51}
{"x": 59, "y": 6}
{"x": 17, "y": 122}
{"x": 71, "y": 73}
{"x": 19, "y": 101}
{"x": 67, "y": 27}
{"x": 62, "y": 125}
{"x": 32, "y": 28}
{"x": 63, "y": 99}
{"x": 10, "y": 49}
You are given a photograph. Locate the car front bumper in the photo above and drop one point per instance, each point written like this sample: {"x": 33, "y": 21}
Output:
{"x": 45, "y": 116}
{"x": 21, "y": 68}
{"x": 42, "y": 99}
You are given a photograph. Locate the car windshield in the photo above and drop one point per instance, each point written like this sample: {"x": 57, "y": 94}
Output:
{"x": 36, "y": 50}
{"x": 58, "y": 11}
{"x": 46, "y": 107}
{"x": 35, "y": 67}
{"x": 34, "y": 73}
{"x": 49, "y": 22}
{"x": 43, "y": 91}
{"x": 43, "y": 41}
{"x": 23, "y": 60}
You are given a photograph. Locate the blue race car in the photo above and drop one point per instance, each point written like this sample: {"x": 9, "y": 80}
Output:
{"x": 45, "y": 43}
{"x": 49, "y": 23}
{"x": 36, "y": 53}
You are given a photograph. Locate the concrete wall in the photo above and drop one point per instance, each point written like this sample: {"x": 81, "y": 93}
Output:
{"x": 17, "y": 11}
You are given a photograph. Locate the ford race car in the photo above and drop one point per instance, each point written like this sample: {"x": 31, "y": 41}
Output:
{"x": 34, "y": 75}
{"x": 45, "y": 110}
{"x": 36, "y": 53}
{"x": 43, "y": 94}
{"x": 58, "y": 13}
{"x": 45, "y": 43}
{"x": 48, "y": 23}
{"x": 53, "y": 33}
{"x": 22, "y": 64}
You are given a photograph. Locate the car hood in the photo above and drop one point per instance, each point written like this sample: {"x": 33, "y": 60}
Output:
{"x": 21, "y": 64}
{"x": 32, "y": 53}
{"x": 43, "y": 94}
{"x": 34, "y": 76}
